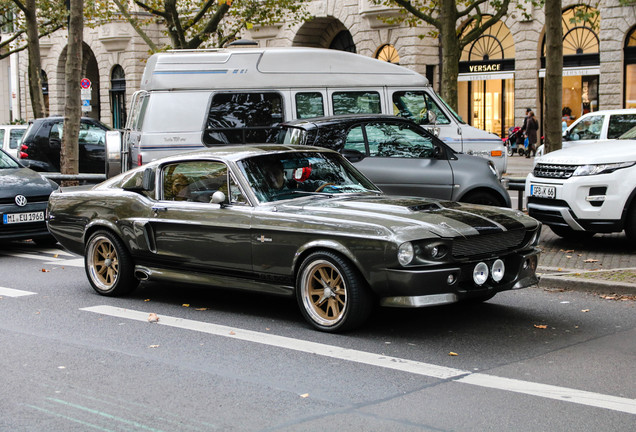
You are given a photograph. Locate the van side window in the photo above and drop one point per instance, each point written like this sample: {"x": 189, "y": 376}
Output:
{"x": 239, "y": 118}
{"x": 415, "y": 105}
{"x": 309, "y": 105}
{"x": 392, "y": 140}
{"x": 352, "y": 102}
{"x": 619, "y": 124}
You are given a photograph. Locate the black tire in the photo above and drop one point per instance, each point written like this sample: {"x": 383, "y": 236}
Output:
{"x": 108, "y": 265}
{"x": 483, "y": 197}
{"x": 331, "y": 293}
{"x": 630, "y": 224}
{"x": 570, "y": 234}
{"x": 521, "y": 152}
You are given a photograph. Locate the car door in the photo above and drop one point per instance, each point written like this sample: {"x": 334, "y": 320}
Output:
{"x": 190, "y": 232}
{"x": 401, "y": 159}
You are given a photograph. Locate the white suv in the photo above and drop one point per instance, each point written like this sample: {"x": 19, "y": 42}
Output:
{"x": 586, "y": 189}
{"x": 595, "y": 126}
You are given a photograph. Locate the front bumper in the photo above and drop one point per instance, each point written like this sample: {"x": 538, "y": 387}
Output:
{"x": 429, "y": 287}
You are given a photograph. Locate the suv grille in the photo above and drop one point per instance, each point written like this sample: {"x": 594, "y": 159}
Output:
{"x": 554, "y": 171}
{"x": 488, "y": 243}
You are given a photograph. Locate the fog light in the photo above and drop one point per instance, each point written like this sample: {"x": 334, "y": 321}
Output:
{"x": 450, "y": 279}
{"x": 498, "y": 269}
{"x": 480, "y": 273}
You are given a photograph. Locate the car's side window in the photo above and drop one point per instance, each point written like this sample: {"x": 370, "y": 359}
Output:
{"x": 415, "y": 105}
{"x": 587, "y": 129}
{"x": 91, "y": 134}
{"x": 194, "y": 181}
{"x": 619, "y": 124}
{"x": 356, "y": 102}
{"x": 1, "y": 137}
{"x": 236, "y": 196}
{"x": 15, "y": 137}
{"x": 309, "y": 104}
{"x": 57, "y": 131}
{"x": 355, "y": 140}
{"x": 394, "y": 140}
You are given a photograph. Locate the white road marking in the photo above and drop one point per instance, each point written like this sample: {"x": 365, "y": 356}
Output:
{"x": 63, "y": 259}
{"x": 10, "y": 292}
{"x": 75, "y": 262}
{"x": 563, "y": 394}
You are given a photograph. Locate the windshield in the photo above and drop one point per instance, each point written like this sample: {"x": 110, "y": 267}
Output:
{"x": 7, "y": 162}
{"x": 630, "y": 134}
{"x": 290, "y": 175}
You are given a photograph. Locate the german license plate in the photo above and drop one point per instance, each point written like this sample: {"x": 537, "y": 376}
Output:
{"x": 12, "y": 218}
{"x": 543, "y": 191}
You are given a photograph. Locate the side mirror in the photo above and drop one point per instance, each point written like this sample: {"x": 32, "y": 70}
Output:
{"x": 431, "y": 117}
{"x": 113, "y": 153}
{"x": 218, "y": 197}
{"x": 353, "y": 155}
{"x": 148, "y": 182}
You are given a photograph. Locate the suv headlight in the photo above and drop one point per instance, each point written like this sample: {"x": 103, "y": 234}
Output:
{"x": 585, "y": 170}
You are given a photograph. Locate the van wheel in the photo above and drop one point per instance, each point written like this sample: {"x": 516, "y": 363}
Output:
{"x": 570, "y": 234}
{"x": 331, "y": 293}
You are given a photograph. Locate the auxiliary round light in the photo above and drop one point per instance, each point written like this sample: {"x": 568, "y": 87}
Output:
{"x": 450, "y": 279}
{"x": 480, "y": 273}
{"x": 406, "y": 253}
{"x": 498, "y": 270}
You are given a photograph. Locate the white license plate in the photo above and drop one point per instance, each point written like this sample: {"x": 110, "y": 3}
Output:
{"x": 543, "y": 191}
{"x": 12, "y": 218}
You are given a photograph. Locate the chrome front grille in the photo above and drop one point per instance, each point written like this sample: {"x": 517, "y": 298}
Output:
{"x": 488, "y": 243}
{"x": 554, "y": 171}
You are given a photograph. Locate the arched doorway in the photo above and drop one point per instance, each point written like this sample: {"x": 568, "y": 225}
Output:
{"x": 581, "y": 62}
{"x": 486, "y": 85}
{"x": 630, "y": 70}
{"x": 118, "y": 97}
{"x": 90, "y": 70}
{"x": 325, "y": 32}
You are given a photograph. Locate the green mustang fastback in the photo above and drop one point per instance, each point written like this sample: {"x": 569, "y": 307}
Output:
{"x": 296, "y": 221}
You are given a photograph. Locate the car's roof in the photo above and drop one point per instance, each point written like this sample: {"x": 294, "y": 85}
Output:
{"x": 238, "y": 152}
{"x": 14, "y": 126}
{"x": 348, "y": 118}
{"x": 610, "y": 112}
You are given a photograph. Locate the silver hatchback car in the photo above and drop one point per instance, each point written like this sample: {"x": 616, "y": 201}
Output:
{"x": 401, "y": 157}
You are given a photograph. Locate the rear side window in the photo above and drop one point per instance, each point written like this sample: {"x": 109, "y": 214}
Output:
{"x": 352, "y": 102}
{"x": 619, "y": 124}
{"x": 239, "y": 118}
{"x": 309, "y": 105}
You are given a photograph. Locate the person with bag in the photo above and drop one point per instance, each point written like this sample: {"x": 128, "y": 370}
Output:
{"x": 531, "y": 128}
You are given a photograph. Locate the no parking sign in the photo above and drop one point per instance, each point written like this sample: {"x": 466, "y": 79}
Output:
{"x": 85, "y": 83}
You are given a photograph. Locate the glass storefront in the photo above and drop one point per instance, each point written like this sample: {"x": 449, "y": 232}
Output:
{"x": 630, "y": 70}
{"x": 485, "y": 85}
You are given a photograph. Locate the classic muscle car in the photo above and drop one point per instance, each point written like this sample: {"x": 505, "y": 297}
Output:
{"x": 293, "y": 220}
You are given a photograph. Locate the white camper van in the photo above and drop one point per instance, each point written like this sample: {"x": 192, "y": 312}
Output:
{"x": 192, "y": 99}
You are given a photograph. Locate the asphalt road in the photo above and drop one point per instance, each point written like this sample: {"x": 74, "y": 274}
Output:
{"x": 527, "y": 360}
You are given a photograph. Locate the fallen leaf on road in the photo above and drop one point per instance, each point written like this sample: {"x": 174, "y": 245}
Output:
{"x": 185, "y": 305}
{"x": 201, "y": 309}
{"x": 45, "y": 271}
{"x": 585, "y": 310}
{"x": 153, "y": 346}
{"x": 306, "y": 395}
{"x": 147, "y": 300}
{"x": 590, "y": 260}
{"x": 453, "y": 354}
{"x": 153, "y": 317}
{"x": 541, "y": 326}
{"x": 232, "y": 333}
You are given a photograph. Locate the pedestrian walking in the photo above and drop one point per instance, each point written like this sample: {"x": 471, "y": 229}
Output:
{"x": 532, "y": 126}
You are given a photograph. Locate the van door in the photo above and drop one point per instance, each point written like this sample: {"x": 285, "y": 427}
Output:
{"x": 132, "y": 134}
{"x": 309, "y": 103}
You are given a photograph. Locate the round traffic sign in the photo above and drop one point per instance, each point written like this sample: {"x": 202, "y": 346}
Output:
{"x": 85, "y": 83}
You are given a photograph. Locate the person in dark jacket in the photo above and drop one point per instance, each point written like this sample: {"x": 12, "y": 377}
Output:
{"x": 531, "y": 127}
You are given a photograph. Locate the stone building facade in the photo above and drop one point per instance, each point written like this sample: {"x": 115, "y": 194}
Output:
{"x": 501, "y": 73}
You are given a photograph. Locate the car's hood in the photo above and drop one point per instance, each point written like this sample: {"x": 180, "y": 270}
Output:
{"x": 596, "y": 152}
{"x": 404, "y": 214}
{"x": 23, "y": 181}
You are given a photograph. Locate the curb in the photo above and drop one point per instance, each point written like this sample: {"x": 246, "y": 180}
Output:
{"x": 586, "y": 285}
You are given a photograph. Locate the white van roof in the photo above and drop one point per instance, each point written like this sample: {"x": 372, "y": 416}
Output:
{"x": 275, "y": 68}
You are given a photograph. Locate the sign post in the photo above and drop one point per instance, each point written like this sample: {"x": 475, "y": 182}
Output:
{"x": 85, "y": 84}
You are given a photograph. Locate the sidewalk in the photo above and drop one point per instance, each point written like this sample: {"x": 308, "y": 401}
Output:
{"x": 604, "y": 264}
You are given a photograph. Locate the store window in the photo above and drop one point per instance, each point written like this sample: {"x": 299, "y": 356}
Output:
{"x": 581, "y": 61}
{"x": 630, "y": 70}
{"x": 118, "y": 97}
{"x": 388, "y": 53}
{"x": 486, "y": 80}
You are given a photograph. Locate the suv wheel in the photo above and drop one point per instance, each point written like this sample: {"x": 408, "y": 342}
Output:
{"x": 570, "y": 234}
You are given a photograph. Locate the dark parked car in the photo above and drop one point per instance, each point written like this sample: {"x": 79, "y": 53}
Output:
{"x": 402, "y": 157}
{"x": 291, "y": 220}
{"x": 42, "y": 143}
{"x": 23, "y": 198}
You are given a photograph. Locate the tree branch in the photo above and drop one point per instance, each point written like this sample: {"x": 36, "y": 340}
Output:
{"x": 133, "y": 23}
{"x": 406, "y": 4}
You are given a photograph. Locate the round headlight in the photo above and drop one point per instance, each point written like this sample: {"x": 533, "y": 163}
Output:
{"x": 498, "y": 270}
{"x": 405, "y": 253}
{"x": 480, "y": 273}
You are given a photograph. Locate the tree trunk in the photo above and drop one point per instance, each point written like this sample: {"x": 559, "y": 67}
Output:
{"x": 553, "y": 96}
{"x": 73, "y": 109}
{"x": 35, "y": 63}
{"x": 450, "y": 52}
